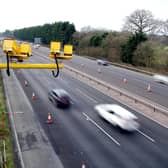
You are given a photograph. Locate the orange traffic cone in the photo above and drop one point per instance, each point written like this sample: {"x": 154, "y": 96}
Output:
{"x": 49, "y": 120}
{"x": 124, "y": 80}
{"x": 148, "y": 88}
{"x": 33, "y": 96}
{"x": 26, "y": 83}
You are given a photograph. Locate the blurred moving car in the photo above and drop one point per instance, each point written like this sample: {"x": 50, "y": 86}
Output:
{"x": 161, "y": 79}
{"x": 102, "y": 62}
{"x": 59, "y": 97}
{"x": 118, "y": 116}
{"x": 36, "y": 46}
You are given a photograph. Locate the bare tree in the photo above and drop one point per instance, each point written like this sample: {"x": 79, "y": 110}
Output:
{"x": 140, "y": 21}
{"x": 164, "y": 28}
{"x": 163, "y": 31}
{"x": 87, "y": 29}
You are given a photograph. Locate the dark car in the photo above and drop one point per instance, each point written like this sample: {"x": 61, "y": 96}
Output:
{"x": 59, "y": 97}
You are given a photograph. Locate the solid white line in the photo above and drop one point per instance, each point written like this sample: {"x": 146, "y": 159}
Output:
{"x": 93, "y": 122}
{"x": 148, "y": 137}
{"x": 87, "y": 96}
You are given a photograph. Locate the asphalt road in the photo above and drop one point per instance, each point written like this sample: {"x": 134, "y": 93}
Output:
{"x": 137, "y": 83}
{"x": 78, "y": 135}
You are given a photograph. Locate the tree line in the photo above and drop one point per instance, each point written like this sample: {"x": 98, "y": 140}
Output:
{"x": 143, "y": 41}
{"x": 59, "y": 31}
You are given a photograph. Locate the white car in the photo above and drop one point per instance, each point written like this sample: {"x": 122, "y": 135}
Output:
{"x": 36, "y": 46}
{"x": 102, "y": 62}
{"x": 118, "y": 116}
{"x": 161, "y": 79}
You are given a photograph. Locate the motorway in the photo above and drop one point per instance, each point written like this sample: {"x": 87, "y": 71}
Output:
{"x": 78, "y": 135}
{"x": 136, "y": 82}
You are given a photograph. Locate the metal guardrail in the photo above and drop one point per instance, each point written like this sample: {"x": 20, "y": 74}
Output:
{"x": 137, "y": 99}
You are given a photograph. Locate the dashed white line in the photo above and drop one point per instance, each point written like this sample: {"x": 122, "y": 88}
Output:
{"x": 92, "y": 99}
{"x": 148, "y": 137}
{"x": 93, "y": 122}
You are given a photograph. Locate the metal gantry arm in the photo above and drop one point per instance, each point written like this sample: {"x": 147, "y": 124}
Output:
{"x": 30, "y": 66}
{"x": 12, "y": 51}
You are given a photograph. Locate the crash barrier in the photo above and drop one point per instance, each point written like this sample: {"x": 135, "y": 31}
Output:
{"x": 135, "y": 98}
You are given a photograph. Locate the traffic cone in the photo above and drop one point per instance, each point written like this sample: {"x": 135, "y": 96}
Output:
{"x": 124, "y": 80}
{"x": 33, "y": 96}
{"x": 148, "y": 88}
{"x": 26, "y": 83}
{"x": 49, "y": 120}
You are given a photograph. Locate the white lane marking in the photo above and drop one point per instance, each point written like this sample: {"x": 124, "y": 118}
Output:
{"x": 148, "y": 137}
{"x": 15, "y": 112}
{"x": 93, "y": 122}
{"x": 92, "y": 99}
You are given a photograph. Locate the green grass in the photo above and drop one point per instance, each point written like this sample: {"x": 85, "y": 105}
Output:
{"x": 7, "y": 132}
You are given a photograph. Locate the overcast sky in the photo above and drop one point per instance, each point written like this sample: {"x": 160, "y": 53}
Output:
{"x": 108, "y": 14}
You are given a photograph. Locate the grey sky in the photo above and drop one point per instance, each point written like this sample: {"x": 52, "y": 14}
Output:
{"x": 109, "y": 14}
